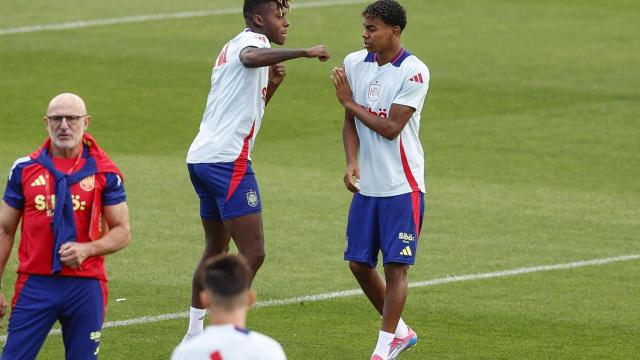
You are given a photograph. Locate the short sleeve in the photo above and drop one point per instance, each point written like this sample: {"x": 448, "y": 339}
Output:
{"x": 113, "y": 193}
{"x": 178, "y": 354}
{"x": 252, "y": 39}
{"x": 279, "y": 354}
{"x": 272, "y": 349}
{"x": 414, "y": 88}
{"x": 348, "y": 66}
{"x": 13, "y": 194}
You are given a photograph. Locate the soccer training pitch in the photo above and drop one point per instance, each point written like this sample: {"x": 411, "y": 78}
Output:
{"x": 532, "y": 139}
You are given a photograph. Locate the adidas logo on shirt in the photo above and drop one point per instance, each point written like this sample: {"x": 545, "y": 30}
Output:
{"x": 40, "y": 181}
{"x": 406, "y": 251}
{"x": 417, "y": 78}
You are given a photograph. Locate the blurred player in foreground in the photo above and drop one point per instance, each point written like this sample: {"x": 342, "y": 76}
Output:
{"x": 227, "y": 295}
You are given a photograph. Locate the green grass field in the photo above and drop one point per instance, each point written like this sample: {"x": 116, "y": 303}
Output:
{"x": 532, "y": 137}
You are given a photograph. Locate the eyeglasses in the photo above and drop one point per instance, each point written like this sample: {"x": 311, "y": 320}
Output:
{"x": 72, "y": 120}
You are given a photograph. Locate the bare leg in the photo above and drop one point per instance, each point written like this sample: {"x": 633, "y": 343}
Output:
{"x": 388, "y": 299}
{"x": 248, "y": 235}
{"x": 371, "y": 283}
{"x": 395, "y": 295}
{"x": 216, "y": 243}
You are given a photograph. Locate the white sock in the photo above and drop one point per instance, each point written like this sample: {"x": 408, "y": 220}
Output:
{"x": 384, "y": 344}
{"x": 402, "y": 330}
{"x": 196, "y": 320}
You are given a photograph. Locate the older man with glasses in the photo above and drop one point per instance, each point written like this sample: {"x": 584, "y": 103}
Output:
{"x": 71, "y": 200}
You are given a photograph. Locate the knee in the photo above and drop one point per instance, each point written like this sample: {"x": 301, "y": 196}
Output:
{"x": 258, "y": 260}
{"x": 358, "y": 268}
{"x": 396, "y": 272}
{"x": 255, "y": 260}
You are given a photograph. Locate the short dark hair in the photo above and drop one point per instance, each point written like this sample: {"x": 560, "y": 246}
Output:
{"x": 389, "y": 11}
{"x": 250, "y": 6}
{"x": 226, "y": 277}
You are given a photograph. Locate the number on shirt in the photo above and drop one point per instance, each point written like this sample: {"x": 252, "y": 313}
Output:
{"x": 216, "y": 356}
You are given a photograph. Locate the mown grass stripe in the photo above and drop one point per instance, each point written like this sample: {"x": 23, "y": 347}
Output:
{"x": 346, "y": 293}
{"x": 156, "y": 17}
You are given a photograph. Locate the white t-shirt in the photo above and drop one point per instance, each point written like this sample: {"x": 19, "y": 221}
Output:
{"x": 389, "y": 167}
{"x": 230, "y": 343}
{"x": 235, "y": 104}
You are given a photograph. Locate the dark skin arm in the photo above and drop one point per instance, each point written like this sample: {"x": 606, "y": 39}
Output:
{"x": 389, "y": 128}
{"x": 253, "y": 57}
{"x": 277, "y": 73}
{"x": 351, "y": 146}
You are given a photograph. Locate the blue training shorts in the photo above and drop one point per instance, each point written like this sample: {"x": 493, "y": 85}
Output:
{"x": 388, "y": 224}
{"x": 226, "y": 190}
{"x": 77, "y": 303}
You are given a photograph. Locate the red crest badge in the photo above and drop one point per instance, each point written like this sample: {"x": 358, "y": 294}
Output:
{"x": 88, "y": 183}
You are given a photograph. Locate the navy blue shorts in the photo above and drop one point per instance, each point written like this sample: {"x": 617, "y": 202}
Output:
{"x": 39, "y": 301}
{"x": 226, "y": 190}
{"x": 387, "y": 224}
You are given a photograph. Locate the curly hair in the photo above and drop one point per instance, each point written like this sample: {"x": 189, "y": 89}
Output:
{"x": 389, "y": 11}
{"x": 250, "y": 6}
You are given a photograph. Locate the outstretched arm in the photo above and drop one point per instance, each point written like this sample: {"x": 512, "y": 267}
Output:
{"x": 252, "y": 57}
{"x": 388, "y": 126}
{"x": 73, "y": 254}
{"x": 9, "y": 220}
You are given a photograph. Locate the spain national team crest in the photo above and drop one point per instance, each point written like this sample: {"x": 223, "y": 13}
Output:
{"x": 88, "y": 183}
{"x": 252, "y": 198}
{"x": 374, "y": 91}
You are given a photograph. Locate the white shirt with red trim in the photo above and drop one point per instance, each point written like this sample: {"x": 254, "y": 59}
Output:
{"x": 389, "y": 167}
{"x": 227, "y": 342}
{"x": 235, "y": 104}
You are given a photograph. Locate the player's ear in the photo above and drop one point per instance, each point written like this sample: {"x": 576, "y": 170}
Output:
{"x": 251, "y": 297}
{"x": 204, "y": 299}
{"x": 86, "y": 122}
{"x": 257, "y": 19}
{"x": 396, "y": 30}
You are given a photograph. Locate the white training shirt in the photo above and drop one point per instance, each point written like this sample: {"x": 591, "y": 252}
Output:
{"x": 235, "y": 104}
{"x": 227, "y": 342}
{"x": 389, "y": 167}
